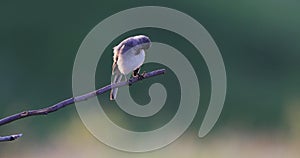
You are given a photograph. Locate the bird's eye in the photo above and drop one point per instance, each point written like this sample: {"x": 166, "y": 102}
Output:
{"x": 145, "y": 40}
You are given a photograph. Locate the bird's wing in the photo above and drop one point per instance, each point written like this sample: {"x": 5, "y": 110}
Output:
{"x": 117, "y": 52}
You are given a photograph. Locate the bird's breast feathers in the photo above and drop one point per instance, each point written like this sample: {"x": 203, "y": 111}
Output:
{"x": 131, "y": 60}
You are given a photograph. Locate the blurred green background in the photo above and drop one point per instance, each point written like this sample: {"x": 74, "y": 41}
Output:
{"x": 259, "y": 42}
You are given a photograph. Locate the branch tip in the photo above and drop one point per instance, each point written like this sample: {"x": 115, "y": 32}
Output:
{"x": 10, "y": 138}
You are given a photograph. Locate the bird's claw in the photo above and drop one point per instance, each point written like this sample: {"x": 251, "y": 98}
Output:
{"x": 141, "y": 76}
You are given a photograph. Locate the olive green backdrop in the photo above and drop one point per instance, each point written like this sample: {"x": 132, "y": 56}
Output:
{"x": 259, "y": 42}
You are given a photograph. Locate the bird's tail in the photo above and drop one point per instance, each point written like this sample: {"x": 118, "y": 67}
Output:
{"x": 114, "y": 91}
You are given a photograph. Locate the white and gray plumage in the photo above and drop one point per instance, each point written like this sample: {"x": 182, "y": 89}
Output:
{"x": 129, "y": 56}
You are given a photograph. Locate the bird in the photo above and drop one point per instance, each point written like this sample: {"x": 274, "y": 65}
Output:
{"x": 128, "y": 57}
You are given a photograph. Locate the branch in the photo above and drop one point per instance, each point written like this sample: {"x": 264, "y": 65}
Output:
{"x": 10, "y": 138}
{"x": 62, "y": 104}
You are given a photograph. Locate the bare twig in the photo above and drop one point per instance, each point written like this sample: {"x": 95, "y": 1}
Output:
{"x": 10, "y": 138}
{"x": 62, "y": 104}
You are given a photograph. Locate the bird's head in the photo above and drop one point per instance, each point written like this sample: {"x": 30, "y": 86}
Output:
{"x": 144, "y": 41}
{"x": 136, "y": 42}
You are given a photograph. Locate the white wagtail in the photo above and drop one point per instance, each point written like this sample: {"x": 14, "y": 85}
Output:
{"x": 129, "y": 56}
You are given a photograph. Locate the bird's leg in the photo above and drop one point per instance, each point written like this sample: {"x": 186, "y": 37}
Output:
{"x": 137, "y": 74}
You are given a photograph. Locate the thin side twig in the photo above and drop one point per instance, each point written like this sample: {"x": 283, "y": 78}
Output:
{"x": 10, "y": 138}
{"x": 64, "y": 103}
